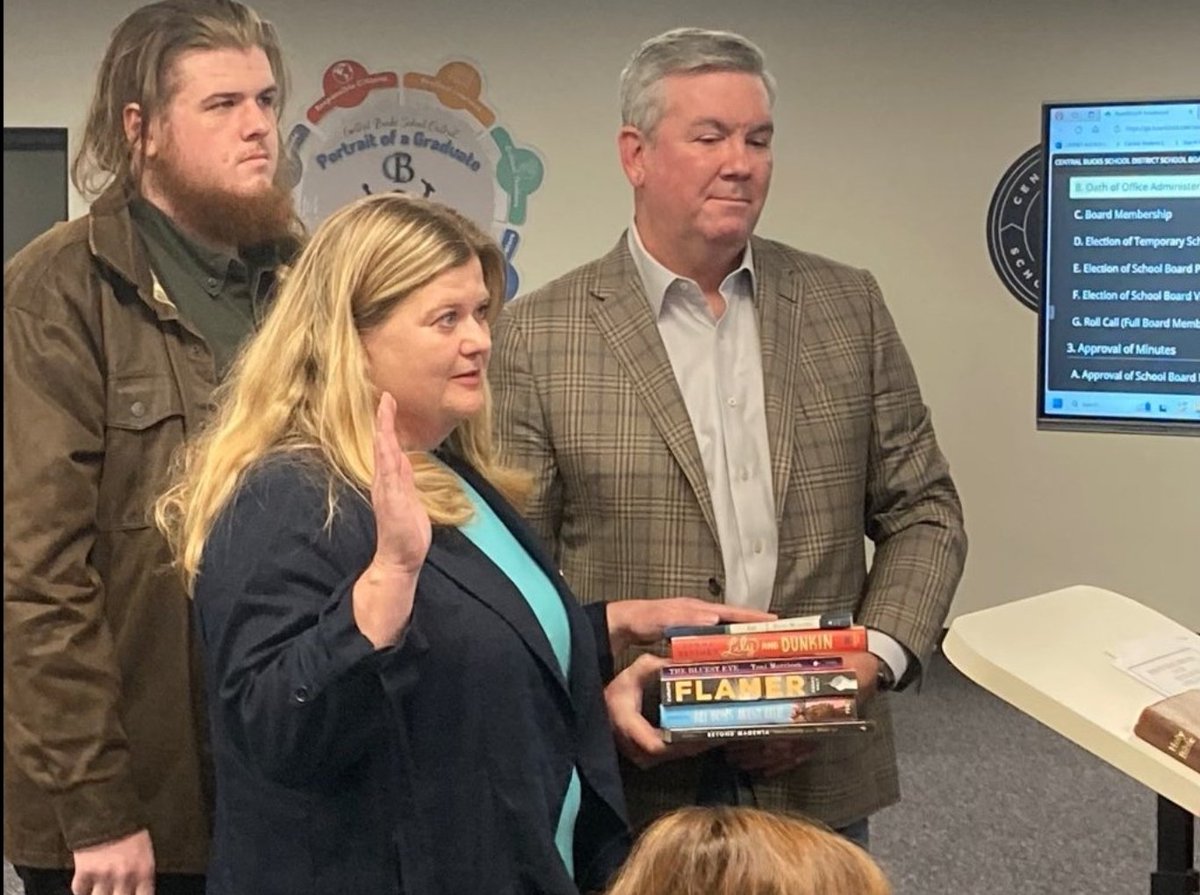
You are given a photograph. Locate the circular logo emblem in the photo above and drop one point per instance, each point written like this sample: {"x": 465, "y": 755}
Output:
{"x": 1014, "y": 228}
{"x": 343, "y": 72}
{"x": 432, "y": 135}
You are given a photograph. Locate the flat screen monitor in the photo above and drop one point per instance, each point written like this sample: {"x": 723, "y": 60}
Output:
{"x": 1119, "y": 321}
{"x": 35, "y": 183}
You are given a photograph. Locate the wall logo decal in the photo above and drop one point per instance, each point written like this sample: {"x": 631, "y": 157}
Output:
{"x": 1014, "y": 228}
{"x": 432, "y": 135}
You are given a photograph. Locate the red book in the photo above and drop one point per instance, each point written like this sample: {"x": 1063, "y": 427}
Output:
{"x": 768, "y": 645}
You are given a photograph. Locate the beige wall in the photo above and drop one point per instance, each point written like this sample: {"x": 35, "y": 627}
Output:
{"x": 895, "y": 121}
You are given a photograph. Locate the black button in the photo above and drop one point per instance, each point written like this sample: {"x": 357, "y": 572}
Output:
{"x": 714, "y": 587}
{"x": 300, "y": 695}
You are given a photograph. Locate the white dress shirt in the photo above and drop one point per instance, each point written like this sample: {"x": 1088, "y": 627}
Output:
{"x": 718, "y": 366}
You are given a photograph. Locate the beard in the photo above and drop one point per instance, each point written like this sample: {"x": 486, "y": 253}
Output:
{"x": 223, "y": 216}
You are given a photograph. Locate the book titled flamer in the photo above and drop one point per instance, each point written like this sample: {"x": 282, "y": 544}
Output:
{"x": 750, "y": 687}
{"x": 1173, "y": 725}
{"x": 754, "y": 714}
{"x": 796, "y": 623}
{"x": 773, "y": 645}
{"x": 698, "y": 734}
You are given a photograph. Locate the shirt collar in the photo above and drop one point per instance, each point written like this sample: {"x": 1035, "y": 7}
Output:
{"x": 210, "y": 267}
{"x": 657, "y": 279}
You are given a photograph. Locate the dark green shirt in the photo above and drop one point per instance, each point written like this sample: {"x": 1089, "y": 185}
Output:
{"x": 220, "y": 296}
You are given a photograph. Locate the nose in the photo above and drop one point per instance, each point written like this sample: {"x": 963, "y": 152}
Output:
{"x": 257, "y": 120}
{"x": 477, "y": 338}
{"x": 737, "y": 159}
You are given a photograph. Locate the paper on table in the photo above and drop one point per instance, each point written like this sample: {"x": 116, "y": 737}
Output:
{"x": 1169, "y": 664}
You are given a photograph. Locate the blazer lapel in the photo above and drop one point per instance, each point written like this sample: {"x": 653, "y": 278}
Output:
{"x": 516, "y": 525}
{"x": 622, "y": 314}
{"x": 527, "y": 538}
{"x": 456, "y": 557}
{"x": 778, "y": 294}
{"x": 585, "y": 691}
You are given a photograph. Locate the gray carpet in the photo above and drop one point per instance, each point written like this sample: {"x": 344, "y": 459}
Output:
{"x": 996, "y": 803}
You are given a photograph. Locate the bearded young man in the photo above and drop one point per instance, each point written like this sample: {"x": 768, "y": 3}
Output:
{"x": 117, "y": 326}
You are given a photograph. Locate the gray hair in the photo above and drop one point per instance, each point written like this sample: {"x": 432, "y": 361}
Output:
{"x": 683, "y": 51}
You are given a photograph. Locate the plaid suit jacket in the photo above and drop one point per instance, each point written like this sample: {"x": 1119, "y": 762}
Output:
{"x": 586, "y": 399}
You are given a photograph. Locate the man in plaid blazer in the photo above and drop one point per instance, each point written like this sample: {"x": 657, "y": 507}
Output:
{"x": 710, "y": 413}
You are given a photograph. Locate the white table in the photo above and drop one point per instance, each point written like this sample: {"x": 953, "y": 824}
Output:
{"x": 1047, "y": 656}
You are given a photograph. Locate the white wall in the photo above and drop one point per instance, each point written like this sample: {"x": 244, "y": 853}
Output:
{"x": 894, "y": 123}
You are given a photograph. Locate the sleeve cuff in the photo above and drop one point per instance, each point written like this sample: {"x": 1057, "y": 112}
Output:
{"x": 597, "y": 614}
{"x": 889, "y": 651}
{"x": 94, "y": 813}
{"x": 342, "y": 646}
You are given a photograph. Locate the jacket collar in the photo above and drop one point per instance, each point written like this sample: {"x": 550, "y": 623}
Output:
{"x": 779, "y": 302}
{"x": 456, "y": 557}
{"x": 115, "y": 243}
{"x": 114, "y": 240}
{"x": 624, "y": 317}
{"x": 657, "y": 279}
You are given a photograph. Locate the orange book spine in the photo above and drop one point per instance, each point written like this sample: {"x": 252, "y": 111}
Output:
{"x": 768, "y": 645}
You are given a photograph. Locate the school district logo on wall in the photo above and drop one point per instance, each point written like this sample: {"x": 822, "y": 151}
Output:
{"x": 431, "y": 135}
{"x": 1014, "y": 228}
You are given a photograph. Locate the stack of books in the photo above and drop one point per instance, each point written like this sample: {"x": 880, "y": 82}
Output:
{"x": 761, "y": 679}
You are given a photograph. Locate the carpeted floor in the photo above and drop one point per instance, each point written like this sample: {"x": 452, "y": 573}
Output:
{"x": 993, "y": 802}
{"x": 996, "y": 804}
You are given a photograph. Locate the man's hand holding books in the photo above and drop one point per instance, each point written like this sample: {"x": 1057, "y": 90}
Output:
{"x": 645, "y": 621}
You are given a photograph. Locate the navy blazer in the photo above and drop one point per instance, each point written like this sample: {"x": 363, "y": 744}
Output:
{"x": 438, "y": 765}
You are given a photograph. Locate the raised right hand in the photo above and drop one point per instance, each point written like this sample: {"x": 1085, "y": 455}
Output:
{"x": 384, "y": 592}
{"x": 403, "y": 530}
{"x": 121, "y": 867}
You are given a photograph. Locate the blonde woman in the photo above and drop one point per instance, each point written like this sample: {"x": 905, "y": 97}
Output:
{"x": 403, "y": 694}
{"x": 746, "y": 851}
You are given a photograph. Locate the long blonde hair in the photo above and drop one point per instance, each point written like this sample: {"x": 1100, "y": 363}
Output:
{"x": 138, "y": 67}
{"x": 301, "y": 384}
{"x": 745, "y": 851}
